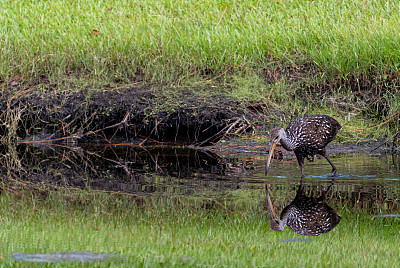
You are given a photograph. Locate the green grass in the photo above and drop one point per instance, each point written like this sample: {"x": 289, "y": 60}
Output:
{"x": 161, "y": 231}
{"x": 172, "y": 40}
{"x": 280, "y": 53}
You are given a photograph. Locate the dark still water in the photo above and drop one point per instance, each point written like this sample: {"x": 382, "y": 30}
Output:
{"x": 364, "y": 181}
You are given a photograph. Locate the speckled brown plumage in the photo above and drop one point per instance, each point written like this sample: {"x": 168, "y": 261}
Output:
{"x": 306, "y": 136}
{"x": 305, "y": 215}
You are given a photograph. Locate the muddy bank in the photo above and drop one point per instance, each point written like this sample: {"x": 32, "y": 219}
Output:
{"x": 136, "y": 114}
{"x": 146, "y": 115}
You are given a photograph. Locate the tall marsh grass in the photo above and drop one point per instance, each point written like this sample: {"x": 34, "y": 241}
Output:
{"x": 169, "y": 40}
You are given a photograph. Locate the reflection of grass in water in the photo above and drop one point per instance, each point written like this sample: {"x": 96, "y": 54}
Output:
{"x": 166, "y": 230}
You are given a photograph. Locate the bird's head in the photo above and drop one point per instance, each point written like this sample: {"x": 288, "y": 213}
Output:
{"x": 275, "y": 136}
{"x": 275, "y": 223}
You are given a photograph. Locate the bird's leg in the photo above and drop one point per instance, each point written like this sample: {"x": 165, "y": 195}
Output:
{"x": 324, "y": 195}
{"x": 330, "y": 162}
{"x": 302, "y": 181}
{"x": 302, "y": 185}
{"x": 300, "y": 160}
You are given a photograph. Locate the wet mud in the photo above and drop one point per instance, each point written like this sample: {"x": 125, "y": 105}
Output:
{"x": 137, "y": 114}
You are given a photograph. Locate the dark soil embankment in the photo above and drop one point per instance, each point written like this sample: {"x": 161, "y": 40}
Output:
{"x": 125, "y": 115}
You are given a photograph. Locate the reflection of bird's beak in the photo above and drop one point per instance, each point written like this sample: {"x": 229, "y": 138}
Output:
{"x": 270, "y": 206}
{"x": 270, "y": 154}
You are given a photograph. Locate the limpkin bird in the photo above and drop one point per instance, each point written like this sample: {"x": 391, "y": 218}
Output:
{"x": 305, "y": 215}
{"x": 306, "y": 136}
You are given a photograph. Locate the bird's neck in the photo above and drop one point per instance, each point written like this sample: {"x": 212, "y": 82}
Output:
{"x": 286, "y": 142}
{"x": 288, "y": 212}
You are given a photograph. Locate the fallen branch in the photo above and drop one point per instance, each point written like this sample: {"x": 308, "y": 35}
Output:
{"x": 241, "y": 124}
{"x": 124, "y": 121}
{"x": 391, "y": 137}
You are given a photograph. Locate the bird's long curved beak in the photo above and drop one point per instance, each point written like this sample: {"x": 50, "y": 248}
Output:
{"x": 270, "y": 154}
{"x": 270, "y": 206}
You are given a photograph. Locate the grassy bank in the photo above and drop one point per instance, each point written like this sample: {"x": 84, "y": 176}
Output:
{"x": 163, "y": 231}
{"x": 166, "y": 41}
{"x": 335, "y": 57}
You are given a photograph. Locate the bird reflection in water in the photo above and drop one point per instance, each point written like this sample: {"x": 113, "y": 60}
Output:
{"x": 305, "y": 215}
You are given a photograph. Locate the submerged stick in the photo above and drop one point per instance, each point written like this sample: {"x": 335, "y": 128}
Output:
{"x": 391, "y": 137}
